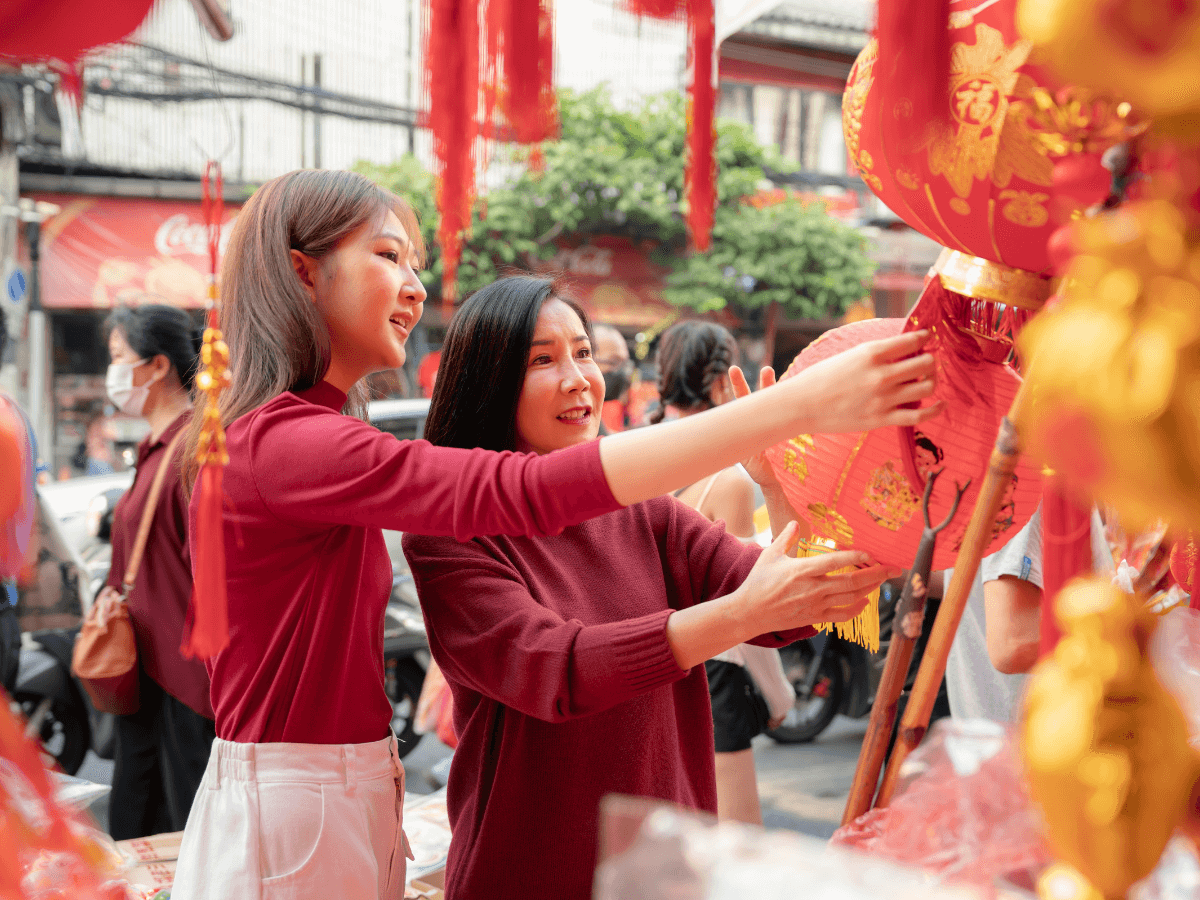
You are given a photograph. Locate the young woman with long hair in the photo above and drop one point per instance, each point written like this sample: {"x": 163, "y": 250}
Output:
{"x": 303, "y": 792}
{"x": 574, "y": 659}
{"x": 750, "y": 694}
{"x": 163, "y": 747}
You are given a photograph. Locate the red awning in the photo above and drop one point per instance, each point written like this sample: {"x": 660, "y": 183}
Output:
{"x": 99, "y": 252}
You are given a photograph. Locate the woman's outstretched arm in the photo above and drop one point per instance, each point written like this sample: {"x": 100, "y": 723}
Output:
{"x": 858, "y": 390}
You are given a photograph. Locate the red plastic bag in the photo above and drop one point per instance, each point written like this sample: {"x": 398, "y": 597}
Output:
{"x": 962, "y": 810}
{"x": 435, "y": 707}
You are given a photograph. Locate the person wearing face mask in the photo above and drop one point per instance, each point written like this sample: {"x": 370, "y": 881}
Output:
{"x": 612, "y": 356}
{"x": 162, "y": 748}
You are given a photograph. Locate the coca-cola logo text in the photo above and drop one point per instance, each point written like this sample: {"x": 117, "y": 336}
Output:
{"x": 181, "y": 235}
{"x": 596, "y": 262}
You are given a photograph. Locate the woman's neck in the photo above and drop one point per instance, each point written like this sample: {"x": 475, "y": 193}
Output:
{"x": 170, "y": 407}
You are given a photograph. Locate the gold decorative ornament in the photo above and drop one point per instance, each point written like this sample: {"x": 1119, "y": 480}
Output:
{"x": 1105, "y": 745}
{"x": 982, "y": 279}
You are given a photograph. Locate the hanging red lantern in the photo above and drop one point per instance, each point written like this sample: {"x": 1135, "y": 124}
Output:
{"x": 980, "y": 177}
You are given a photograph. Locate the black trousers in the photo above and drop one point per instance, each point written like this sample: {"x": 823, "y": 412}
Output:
{"x": 162, "y": 751}
{"x": 10, "y": 643}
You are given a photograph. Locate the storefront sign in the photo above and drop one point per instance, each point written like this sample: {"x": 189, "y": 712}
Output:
{"x": 100, "y": 252}
{"x": 616, "y": 280}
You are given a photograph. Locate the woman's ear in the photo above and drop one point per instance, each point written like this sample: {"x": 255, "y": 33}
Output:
{"x": 306, "y": 270}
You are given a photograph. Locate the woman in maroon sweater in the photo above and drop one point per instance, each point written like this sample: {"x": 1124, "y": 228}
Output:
{"x": 575, "y": 660}
{"x": 303, "y": 792}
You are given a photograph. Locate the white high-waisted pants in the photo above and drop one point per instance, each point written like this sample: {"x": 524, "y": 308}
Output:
{"x": 296, "y": 822}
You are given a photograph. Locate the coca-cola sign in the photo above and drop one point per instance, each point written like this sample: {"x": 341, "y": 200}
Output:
{"x": 180, "y": 234}
{"x": 98, "y": 252}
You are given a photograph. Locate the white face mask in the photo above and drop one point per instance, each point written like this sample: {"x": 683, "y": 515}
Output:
{"x": 127, "y": 397}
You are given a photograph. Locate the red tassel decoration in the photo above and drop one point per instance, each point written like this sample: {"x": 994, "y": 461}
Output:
{"x": 208, "y": 624}
{"x": 453, "y": 70}
{"x": 657, "y": 9}
{"x": 1066, "y": 552}
{"x": 916, "y": 34}
{"x": 520, "y": 67}
{"x": 700, "y": 176}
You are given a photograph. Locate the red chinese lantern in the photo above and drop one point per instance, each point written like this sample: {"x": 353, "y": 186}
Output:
{"x": 980, "y": 179}
{"x": 863, "y": 490}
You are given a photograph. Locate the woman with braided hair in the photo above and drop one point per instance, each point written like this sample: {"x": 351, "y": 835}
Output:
{"x": 750, "y": 693}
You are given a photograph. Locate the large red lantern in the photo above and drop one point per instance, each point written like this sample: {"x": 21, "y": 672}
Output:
{"x": 863, "y": 490}
{"x": 979, "y": 180}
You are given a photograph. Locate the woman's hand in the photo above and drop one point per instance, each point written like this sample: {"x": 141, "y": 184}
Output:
{"x": 782, "y": 593}
{"x": 779, "y": 594}
{"x": 869, "y": 386}
{"x": 758, "y": 467}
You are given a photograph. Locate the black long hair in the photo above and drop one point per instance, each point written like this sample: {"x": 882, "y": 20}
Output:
{"x": 691, "y": 357}
{"x": 483, "y": 363}
{"x": 154, "y": 329}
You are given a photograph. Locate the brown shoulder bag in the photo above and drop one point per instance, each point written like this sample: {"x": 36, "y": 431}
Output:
{"x": 105, "y": 655}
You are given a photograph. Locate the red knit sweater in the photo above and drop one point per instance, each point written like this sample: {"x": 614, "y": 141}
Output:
{"x": 309, "y": 574}
{"x": 565, "y": 688}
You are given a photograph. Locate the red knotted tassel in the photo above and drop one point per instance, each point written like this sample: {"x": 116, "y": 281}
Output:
{"x": 701, "y": 174}
{"x": 1066, "y": 551}
{"x": 207, "y": 630}
{"x": 209, "y": 622}
{"x": 453, "y": 71}
{"x": 914, "y": 40}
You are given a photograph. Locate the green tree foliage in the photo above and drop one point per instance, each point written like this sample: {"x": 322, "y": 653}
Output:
{"x": 789, "y": 253}
{"x": 616, "y": 171}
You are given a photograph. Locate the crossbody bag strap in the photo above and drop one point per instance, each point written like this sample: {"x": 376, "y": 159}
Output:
{"x": 143, "y": 534}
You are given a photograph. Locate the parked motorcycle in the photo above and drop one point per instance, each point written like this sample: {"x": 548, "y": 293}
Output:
{"x": 405, "y": 649}
{"x": 54, "y": 703}
{"x": 832, "y": 675}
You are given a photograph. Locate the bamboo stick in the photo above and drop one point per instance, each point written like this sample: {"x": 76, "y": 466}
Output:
{"x": 979, "y": 534}
{"x": 906, "y": 629}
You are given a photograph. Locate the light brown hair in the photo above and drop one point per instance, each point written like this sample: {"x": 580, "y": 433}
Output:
{"x": 277, "y": 339}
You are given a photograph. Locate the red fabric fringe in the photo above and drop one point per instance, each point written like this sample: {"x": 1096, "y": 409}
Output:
{"x": 701, "y": 173}
{"x": 1066, "y": 552}
{"x": 657, "y": 9}
{"x": 914, "y": 36}
{"x": 520, "y": 45}
{"x": 208, "y": 623}
{"x": 453, "y": 71}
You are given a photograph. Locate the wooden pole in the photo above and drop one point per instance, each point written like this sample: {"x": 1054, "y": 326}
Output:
{"x": 906, "y": 629}
{"x": 979, "y": 534}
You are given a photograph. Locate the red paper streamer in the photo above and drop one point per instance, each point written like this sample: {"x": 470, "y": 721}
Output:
{"x": 657, "y": 9}
{"x": 519, "y": 69}
{"x": 700, "y": 176}
{"x": 914, "y": 36}
{"x": 453, "y": 69}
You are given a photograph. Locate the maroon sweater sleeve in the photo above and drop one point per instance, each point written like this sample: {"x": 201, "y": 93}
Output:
{"x": 490, "y": 635}
{"x": 316, "y": 465}
{"x": 714, "y": 563}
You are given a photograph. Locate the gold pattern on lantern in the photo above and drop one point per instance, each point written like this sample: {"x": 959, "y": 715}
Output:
{"x": 1078, "y": 120}
{"x": 857, "y": 87}
{"x": 793, "y": 456}
{"x": 1025, "y": 208}
{"x": 960, "y": 206}
{"x": 887, "y": 497}
{"x": 829, "y": 523}
{"x": 908, "y": 179}
{"x": 983, "y": 75}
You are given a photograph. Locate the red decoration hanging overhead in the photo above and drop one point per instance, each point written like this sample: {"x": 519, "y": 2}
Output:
{"x": 700, "y": 175}
{"x": 207, "y": 632}
{"x": 453, "y": 70}
{"x": 519, "y": 71}
{"x": 65, "y": 29}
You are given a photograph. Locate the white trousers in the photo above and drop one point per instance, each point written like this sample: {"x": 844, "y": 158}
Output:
{"x": 296, "y": 822}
